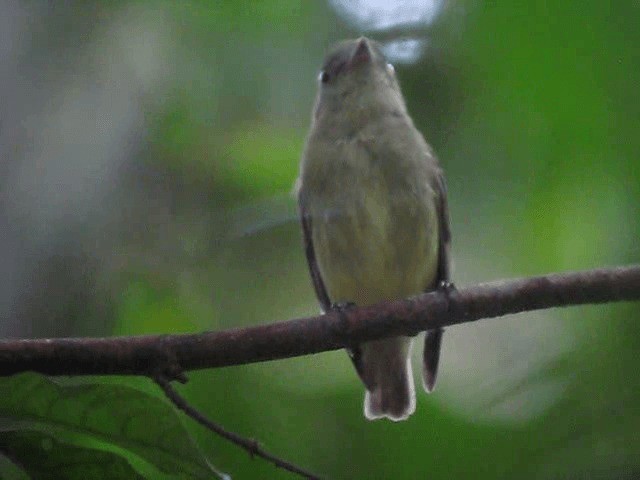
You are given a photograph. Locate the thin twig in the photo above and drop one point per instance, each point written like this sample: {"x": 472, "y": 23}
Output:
{"x": 146, "y": 355}
{"x": 250, "y": 445}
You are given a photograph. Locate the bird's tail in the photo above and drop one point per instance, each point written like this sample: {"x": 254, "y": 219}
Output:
{"x": 431, "y": 358}
{"x": 385, "y": 368}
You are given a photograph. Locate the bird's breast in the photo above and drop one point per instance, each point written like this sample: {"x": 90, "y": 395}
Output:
{"x": 376, "y": 241}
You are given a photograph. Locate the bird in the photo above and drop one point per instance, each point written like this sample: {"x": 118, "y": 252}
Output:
{"x": 372, "y": 203}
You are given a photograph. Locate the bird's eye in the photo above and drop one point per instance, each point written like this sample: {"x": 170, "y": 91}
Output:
{"x": 323, "y": 77}
{"x": 390, "y": 68}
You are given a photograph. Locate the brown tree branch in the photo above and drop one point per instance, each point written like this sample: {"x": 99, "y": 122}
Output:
{"x": 252, "y": 446}
{"x": 168, "y": 354}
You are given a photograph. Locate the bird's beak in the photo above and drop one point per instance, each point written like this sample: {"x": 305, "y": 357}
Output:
{"x": 362, "y": 54}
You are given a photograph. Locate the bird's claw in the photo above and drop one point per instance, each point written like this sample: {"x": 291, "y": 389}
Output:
{"x": 446, "y": 287}
{"x": 342, "y": 307}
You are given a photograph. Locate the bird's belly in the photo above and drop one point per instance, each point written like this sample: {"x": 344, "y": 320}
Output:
{"x": 376, "y": 250}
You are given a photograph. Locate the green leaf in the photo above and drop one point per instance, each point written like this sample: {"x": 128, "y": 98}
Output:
{"x": 45, "y": 456}
{"x": 9, "y": 470}
{"x": 110, "y": 428}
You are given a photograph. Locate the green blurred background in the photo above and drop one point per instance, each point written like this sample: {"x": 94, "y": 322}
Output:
{"x": 148, "y": 152}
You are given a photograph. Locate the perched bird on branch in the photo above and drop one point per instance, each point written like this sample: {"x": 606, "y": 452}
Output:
{"x": 373, "y": 208}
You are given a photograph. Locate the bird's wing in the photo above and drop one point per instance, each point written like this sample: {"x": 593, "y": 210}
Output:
{"x": 444, "y": 246}
{"x": 433, "y": 338}
{"x": 314, "y": 270}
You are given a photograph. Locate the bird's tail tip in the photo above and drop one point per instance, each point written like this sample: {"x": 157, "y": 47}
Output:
{"x": 394, "y": 400}
{"x": 431, "y": 358}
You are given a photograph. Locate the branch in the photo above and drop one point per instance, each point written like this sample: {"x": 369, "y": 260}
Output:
{"x": 148, "y": 355}
{"x": 251, "y": 446}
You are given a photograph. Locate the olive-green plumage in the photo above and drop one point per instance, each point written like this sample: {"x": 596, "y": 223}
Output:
{"x": 373, "y": 209}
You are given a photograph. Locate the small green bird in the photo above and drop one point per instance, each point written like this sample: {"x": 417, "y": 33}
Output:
{"x": 373, "y": 208}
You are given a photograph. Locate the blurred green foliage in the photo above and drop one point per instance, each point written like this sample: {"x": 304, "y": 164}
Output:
{"x": 534, "y": 111}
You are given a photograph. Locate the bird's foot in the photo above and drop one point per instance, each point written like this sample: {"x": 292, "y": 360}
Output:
{"x": 342, "y": 307}
{"x": 446, "y": 287}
